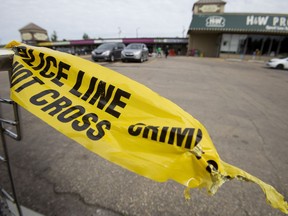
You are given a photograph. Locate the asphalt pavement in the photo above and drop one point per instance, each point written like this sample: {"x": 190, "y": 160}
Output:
{"x": 243, "y": 105}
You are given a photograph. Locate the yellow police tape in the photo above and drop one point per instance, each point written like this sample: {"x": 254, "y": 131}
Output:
{"x": 121, "y": 120}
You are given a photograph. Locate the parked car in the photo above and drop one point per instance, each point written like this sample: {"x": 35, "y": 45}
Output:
{"x": 83, "y": 51}
{"x": 135, "y": 52}
{"x": 66, "y": 50}
{"x": 108, "y": 52}
{"x": 278, "y": 63}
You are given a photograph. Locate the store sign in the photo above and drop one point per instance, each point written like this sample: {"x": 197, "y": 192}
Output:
{"x": 209, "y": 8}
{"x": 241, "y": 22}
{"x": 270, "y": 23}
{"x": 215, "y": 21}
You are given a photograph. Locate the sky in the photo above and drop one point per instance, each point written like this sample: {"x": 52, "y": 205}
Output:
{"x": 70, "y": 19}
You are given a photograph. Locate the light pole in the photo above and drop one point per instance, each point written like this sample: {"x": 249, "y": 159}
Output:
{"x": 137, "y": 32}
{"x": 183, "y": 31}
{"x": 119, "y": 32}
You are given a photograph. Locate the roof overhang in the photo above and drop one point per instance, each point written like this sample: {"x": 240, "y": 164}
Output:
{"x": 240, "y": 23}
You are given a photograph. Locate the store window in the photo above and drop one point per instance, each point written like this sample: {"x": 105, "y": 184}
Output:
{"x": 232, "y": 43}
{"x": 267, "y": 45}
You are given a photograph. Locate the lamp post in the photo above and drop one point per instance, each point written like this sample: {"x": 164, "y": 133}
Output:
{"x": 137, "y": 32}
{"x": 119, "y": 32}
{"x": 183, "y": 31}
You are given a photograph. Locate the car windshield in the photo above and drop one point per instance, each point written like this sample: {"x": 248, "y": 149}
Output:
{"x": 134, "y": 46}
{"x": 106, "y": 46}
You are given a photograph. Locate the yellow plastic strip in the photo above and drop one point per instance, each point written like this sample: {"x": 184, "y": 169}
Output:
{"x": 121, "y": 120}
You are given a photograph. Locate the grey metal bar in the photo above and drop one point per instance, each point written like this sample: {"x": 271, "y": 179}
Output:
{"x": 3, "y": 140}
{"x": 12, "y": 134}
{"x": 16, "y": 123}
{"x": 7, "y": 101}
{"x": 6, "y": 64}
{"x": 8, "y": 121}
{"x": 2, "y": 159}
{"x": 17, "y": 119}
{"x": 7, "y": 195}
{"x": 16, "y": 111}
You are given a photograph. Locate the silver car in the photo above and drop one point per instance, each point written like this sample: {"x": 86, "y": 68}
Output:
{"x": 108, "y": 52}
{"x": 135, "y": 52}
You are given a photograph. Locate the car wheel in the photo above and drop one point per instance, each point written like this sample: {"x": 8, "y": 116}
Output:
{"x": 142, "y": 59}
{"x": 280, "y": 66}
{"x": 112, "y": 58}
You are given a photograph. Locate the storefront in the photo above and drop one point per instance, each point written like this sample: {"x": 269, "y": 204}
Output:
{"x": 238, "y": 35}
{"x": 35, "y": 35}
{"x": 176, "y": 46}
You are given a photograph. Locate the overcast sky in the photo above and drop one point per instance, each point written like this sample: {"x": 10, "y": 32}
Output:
{"x": 113, "y": 18}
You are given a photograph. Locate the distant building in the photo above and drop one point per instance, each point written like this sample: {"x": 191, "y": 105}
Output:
{"x": 37, "y": 36}
{"x": 214, "y": 33}
{"x": 176, "y": 46}
{"x": 33, "y": 34}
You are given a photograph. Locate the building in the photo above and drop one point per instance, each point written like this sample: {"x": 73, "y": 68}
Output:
{"x": 213, "y": 33}
{"x": 177, "y": 46}
{"x": 33, "y": 34}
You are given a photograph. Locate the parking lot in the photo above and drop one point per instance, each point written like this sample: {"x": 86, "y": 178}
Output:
{"x": 243, "y": 105}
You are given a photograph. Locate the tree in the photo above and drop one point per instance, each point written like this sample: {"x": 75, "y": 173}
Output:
{"x": 85, "y": 36}
{"x": 54, "y": 36}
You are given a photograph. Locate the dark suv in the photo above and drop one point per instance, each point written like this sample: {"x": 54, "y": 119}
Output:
{"x": 108, "y": 52}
